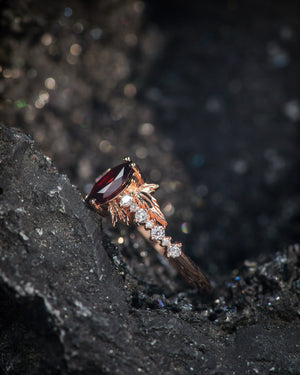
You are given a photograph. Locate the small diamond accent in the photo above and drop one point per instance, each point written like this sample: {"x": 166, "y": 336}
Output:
{"x": 166, "y": 241}
{"x": 149, "y": 224}
{"x": 134, "y": 207}
{"x": 126, "y": 200}
{"x": 141, "y": 215}
{"x": 157, "y": 232}
{"x": 174, "y": 251}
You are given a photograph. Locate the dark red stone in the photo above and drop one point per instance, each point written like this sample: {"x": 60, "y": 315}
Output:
{"x": 111, "y": 184}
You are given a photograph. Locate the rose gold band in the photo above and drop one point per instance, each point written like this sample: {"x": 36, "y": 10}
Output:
{"x": 186, "y": 267}
{"x": 122, "y": 193}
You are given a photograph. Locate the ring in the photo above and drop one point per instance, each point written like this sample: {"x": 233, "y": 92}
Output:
{"x": 122, "y": 193}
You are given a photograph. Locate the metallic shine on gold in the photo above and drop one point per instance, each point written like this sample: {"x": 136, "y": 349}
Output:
{"x": 122, "y": 193}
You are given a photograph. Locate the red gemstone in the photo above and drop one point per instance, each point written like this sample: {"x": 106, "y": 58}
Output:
{"x": 112, "y": 183}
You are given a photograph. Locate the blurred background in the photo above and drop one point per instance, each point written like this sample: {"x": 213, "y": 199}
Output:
{"x": 204, "y": 96}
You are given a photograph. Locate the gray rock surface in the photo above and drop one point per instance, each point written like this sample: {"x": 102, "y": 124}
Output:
{"x": 69, "y": 305}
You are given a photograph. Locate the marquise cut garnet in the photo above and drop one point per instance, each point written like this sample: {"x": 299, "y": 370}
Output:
{"x": 111, "y": 184}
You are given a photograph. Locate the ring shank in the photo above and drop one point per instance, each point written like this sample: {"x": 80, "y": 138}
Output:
{"x": 186, "y": 267}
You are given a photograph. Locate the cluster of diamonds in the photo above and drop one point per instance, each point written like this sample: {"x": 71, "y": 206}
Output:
{"x": 157, "y": 232}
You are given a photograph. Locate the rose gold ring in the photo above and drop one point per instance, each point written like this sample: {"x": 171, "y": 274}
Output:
{"x": 122, "y": 193}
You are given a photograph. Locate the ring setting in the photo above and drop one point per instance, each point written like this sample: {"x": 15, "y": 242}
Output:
{"x": 122, "y": 193}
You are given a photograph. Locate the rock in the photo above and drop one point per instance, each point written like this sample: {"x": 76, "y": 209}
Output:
{"x": 59, "y": 292}
{"x": 65, "y": 309}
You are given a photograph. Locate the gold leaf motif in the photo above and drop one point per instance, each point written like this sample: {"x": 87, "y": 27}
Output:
{"x": 118, "y": 214}
{"x": 148, "y": 188}
{"x": 144, "y": 195}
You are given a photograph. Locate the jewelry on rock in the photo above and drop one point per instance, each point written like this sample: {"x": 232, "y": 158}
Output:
{"x": 122, "y": 193}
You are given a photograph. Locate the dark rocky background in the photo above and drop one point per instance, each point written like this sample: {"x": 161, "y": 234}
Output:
{"x": 204, "y": 96}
